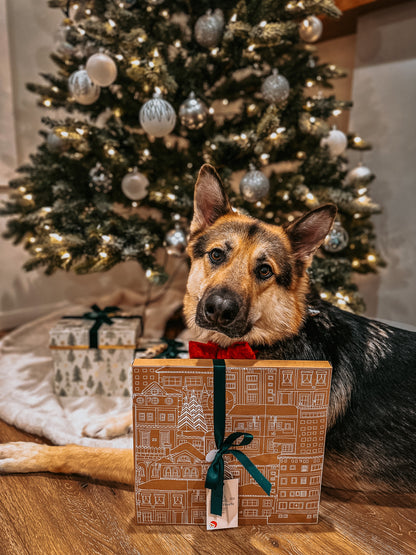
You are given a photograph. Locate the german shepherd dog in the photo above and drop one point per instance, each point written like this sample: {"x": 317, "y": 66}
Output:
{"x": 248, "y": 282}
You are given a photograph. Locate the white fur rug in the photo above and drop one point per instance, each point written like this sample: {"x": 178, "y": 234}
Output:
{"x": 27, "y": 398}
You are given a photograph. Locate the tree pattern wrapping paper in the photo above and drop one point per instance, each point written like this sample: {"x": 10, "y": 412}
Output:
{"x": 80, "y": 370}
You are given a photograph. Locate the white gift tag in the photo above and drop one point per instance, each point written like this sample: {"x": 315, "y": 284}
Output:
{"x": 229, "y": 517}
{"x": 210, "y": 456}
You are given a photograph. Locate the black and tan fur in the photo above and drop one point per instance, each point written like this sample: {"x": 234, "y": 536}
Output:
{"x": 248, "y": 282}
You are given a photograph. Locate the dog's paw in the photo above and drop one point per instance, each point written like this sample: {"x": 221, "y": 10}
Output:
{"x": 108, "y": 427}
{"x": 21, "y": 456}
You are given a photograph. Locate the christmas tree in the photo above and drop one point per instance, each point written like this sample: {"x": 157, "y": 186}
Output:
{"x": 152, "y": 90}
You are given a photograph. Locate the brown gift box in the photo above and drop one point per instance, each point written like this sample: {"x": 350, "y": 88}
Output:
{"x": 283, "y": 404}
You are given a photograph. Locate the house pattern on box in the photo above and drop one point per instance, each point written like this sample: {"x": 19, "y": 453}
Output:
{"x": 81, "y": 371}
{"x": 285, "y": 409}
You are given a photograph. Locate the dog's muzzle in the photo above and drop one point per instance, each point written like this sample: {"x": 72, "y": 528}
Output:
{"x": 222, "y": 310}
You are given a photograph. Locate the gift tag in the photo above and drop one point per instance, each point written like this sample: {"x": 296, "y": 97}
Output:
{"x": 229, "y": 517}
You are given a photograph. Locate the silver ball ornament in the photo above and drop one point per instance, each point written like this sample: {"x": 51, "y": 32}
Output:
{"x": 101, "y": 69}
{"x": 310, "y": 29}
{"x": 336, "y": 141}
{"x": 82, "y": 88}
{"x": 134, "y": 185}
{"x": 193, "y": 112}
{"x": 254, "y": 185}
{"x": 176, "y": 242}
{"x": 55, "y": 144}
{"x": 208, "y": 28}
{"x": 157, "y": 116}
{"x": 359, "y": 175}
{"x": 336, "y": 240}
{"x": 275, "y": 88}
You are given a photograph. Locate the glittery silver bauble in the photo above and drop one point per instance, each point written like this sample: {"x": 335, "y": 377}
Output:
{"x": 100, "y": 180}
{"x": 101, "y": 69}
{"x": 82, "y": 88}
{"x": 193, "y": 112}
{"x": 360, "y": 175}
{"x": 134, "y": 185}
{"x": 275, "y": 88}
{"x": 208, "y": 28}
{"x": 157, "y": 117}
{"x": 310, "y": 30}
{"x": 336, "y": 141}
{"x": 336, "y": 240}
{"x": 254, "y": 185}
{"x": 176, "y": 242}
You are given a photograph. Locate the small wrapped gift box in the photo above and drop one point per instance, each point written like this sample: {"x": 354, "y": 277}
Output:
{"x": 197, "y": 422}
{"x": 92, "y": 353}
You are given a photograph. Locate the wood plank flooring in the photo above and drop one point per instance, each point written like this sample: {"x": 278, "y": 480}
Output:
{"x": 45, "y": 514}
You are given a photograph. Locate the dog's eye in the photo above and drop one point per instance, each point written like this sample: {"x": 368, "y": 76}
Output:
{"x": 216, "y": 256}
{"x": 264, "y": 271}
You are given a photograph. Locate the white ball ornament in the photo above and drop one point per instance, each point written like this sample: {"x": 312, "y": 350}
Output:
{"x": 82, "y": 88}
{"x": 157, "y": 116}
{"x": 336, "y": 141}
{"x": 310, "y": 30}
{"x": 175, "y": 240}
{"x": 275, "y": 88}
{"x": 254, "y": 185}
{"x": 101, "y": 69}
{"x": 134, "y": 185}
{"x": 358, "y": 175}
{"x": 208, "y": 28}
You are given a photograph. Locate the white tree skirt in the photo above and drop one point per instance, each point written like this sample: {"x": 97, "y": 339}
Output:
{"x": 27, "y": 398}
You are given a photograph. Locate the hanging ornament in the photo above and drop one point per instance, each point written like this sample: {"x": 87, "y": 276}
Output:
{"x": 100, "y": 181}
{"x": 208, "y": 28}
{"x": 336, "y": 141}
{"x": 254, "y": 185}
{"x": 337, "y": 239}
{"x": 61, "y": 39}
{"x": 275, "y": 88}
{"x": 193, "y": 112}
{"x": 310, "y": 29}
{"x": 134, "y": 185}
{"x": 82, "y": 88}
{"x": 157, "y": 117}
{"x": 175, "y": 240}
{"x": 56, "y": 144}
{"x": 101, "y": 69}
{"x": 360, "y": 175}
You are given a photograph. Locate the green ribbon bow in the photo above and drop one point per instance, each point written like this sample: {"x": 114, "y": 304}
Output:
{"x": 101, "y": 317}
{"x": 173, "y": 348}
{"x": 215, "y": 475}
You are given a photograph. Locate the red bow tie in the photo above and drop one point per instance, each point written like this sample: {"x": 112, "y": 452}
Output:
{"x": 212, "y": 350}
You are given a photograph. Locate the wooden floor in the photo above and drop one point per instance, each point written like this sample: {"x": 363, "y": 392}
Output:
{"x": 45, "y": 514}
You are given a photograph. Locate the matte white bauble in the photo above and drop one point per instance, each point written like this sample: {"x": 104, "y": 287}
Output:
{"x": 101, "y": 69}
{"x": 336, "y": 141}
{"x": 134, "y": 185}
{"x": 157, "y": 116}
{"x": 82, "y": 88}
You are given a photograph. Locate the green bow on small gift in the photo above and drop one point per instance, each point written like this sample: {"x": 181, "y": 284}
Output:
{"x": 101, "y": 317}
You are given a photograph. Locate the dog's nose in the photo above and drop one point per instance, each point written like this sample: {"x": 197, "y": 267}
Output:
{"x": 221, "y": 309}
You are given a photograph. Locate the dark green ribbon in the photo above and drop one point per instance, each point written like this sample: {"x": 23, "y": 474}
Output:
{"x": 215, "y": 475}
{"x": 173, "y": 348}
{"x": 101, "y": 317}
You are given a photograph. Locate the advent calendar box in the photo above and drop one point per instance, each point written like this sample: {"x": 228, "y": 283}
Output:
{"x": 93, "y": 355}
{"x": 282, "y": 404}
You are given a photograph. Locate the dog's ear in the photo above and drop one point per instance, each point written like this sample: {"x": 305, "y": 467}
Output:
{"x": 307, "y": 233}
{"x": 210, "y": 199}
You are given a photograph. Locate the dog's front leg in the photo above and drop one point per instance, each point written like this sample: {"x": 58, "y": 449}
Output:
{"x": 106, "y": 464}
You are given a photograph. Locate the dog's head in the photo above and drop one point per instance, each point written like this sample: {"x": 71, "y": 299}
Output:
{"x": 248, "y": 279}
